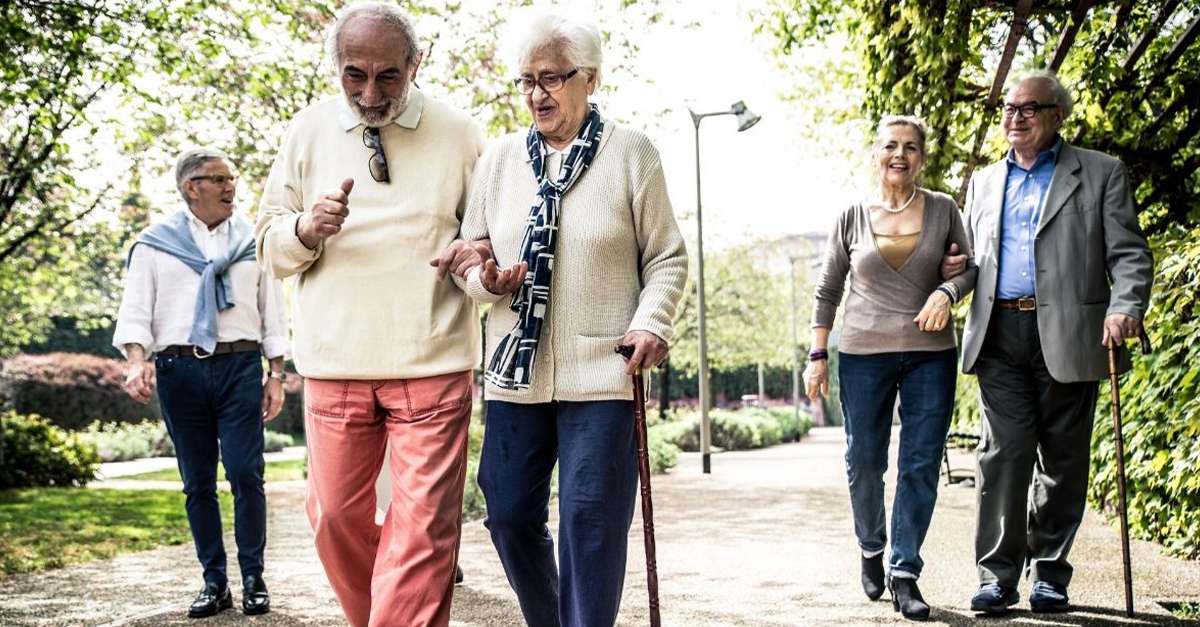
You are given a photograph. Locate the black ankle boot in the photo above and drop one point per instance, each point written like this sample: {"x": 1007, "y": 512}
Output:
{"x": 907, "y": 599}
{"x": 872, "y": 576}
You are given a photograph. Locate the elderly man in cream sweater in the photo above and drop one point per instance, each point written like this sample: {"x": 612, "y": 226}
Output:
{"x": 366, "y": 188}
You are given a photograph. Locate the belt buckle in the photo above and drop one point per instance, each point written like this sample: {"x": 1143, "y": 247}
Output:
{"x": 196, "y": 351}
{"x": 1026, "y": 304}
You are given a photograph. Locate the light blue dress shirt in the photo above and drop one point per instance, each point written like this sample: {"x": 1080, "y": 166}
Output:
{"x": 1024, "y": 195}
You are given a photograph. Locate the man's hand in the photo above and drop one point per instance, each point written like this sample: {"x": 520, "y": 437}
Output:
{"x": 816, "y": 379}
{"x": 953, "y": 264}
{"x": 326, "y": 217}
{"x": 935, "y": 314}
{"x": 272, "y": 399}
{"x": 139, "y": 380}
{"x": 1118, "y": 328}
{"x": 649, "y": 350}
{"x": 460, "y": 256}
{"x": 504, "y": 281}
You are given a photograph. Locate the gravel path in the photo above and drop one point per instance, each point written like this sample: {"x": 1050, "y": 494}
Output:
{"x": 764, "y": 541}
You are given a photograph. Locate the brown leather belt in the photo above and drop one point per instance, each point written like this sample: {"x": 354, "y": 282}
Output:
{"x": 1018, "y": 304}
{"x": 186, "y": 350}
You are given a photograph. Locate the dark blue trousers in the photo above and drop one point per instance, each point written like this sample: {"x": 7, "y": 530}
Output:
{"x": 594, "y": 446}
{"x": 869, "y": 384}
{"x": 213, "y": 406}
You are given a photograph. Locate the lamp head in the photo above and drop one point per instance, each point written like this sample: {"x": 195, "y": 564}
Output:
{"x": 745, "y": 118}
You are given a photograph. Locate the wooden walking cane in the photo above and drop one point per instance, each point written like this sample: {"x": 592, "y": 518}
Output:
{"x": 643, "y": 453}
{"x": 1124, "y": 516}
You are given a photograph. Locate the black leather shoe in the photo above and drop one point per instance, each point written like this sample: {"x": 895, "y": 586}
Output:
{"x": 255, "y": 599}
{"x": 994, "y": 599}
{"x": 1048, "y": 597}
{"x": 907, "y": 599}
{"x": 212, "y": 599}
{"x": 872, "y": 576}
{"x": 458, "y": 575}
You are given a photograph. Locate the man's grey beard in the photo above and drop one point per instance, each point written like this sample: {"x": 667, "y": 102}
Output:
{"x": 372, "y": 116}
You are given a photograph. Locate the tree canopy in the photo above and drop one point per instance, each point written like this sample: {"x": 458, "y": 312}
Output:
{"x": 1133, "y": 67}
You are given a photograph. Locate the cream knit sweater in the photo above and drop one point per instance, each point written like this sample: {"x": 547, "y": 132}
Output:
{"x": 620, "y": 262}
{"x": 367, "y": 303}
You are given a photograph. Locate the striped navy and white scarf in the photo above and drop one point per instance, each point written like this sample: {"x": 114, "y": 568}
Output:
{"x": 511, "y": 366}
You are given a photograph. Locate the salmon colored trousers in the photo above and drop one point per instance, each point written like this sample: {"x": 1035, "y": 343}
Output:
{"x": 400, "y": 574}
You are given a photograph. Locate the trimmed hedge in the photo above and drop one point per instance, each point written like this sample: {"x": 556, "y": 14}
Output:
{"x": 39, "y": 454}
{"x": 118, "y": 442}
{"x": 73, "y": 390}
{"x": 734, "y": 430}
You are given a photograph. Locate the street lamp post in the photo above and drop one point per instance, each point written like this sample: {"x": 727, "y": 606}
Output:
{"x": 745, "y": 119}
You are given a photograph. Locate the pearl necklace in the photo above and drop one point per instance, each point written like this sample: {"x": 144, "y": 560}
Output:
{"x": 908, "y": 202}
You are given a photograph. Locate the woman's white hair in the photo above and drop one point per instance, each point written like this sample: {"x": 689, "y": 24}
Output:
{"x": 1062, "y": 97}
{"x": 577, "y": 40}
{"x": 389, "y": 14}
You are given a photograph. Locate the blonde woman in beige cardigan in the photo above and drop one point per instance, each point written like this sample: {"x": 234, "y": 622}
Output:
{"x": 598, "y": 261}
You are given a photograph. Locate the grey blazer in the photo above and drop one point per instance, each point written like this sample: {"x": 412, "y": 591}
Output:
{"x": 1091, "y": 258}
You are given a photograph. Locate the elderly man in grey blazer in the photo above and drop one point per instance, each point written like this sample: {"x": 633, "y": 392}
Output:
{"x": 1064, "y": 272}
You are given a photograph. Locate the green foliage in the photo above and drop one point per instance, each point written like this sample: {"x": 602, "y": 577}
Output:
{"x": 37, "y": 453}
{"x": 118, "y": 442}
{"x": 663, "y": 454}
{"x": 968, "y": 413}
{"x": 474, "y": 507}
{"x": 939, "y": 59}
{"x": 44, "y": 528}
{"x": 743, "y": 429}
{"x": 749, "y": 313}
{"x": 1160, "y": 408}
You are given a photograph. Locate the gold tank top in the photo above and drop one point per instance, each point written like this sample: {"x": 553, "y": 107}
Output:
{"x": 896, "y": 249}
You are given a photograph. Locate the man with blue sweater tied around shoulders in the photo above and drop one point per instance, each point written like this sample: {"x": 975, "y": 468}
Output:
{"x": 196, "y": 301}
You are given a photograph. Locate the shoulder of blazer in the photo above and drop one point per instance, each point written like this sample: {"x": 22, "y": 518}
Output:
{"x": 1090, "y": 159}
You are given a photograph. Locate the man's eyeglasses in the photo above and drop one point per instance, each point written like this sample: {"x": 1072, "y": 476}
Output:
{"x": 217, "y": 179}
{"x": 377, "y": 164}
{"x": 548, "y": 82}
{"x": 1025, "y": 111}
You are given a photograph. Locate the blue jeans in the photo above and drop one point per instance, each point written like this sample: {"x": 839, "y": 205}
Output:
{"x": 597, "y": 487}
{"x": 869, "y": 384}
{"x": 215, "y": 405}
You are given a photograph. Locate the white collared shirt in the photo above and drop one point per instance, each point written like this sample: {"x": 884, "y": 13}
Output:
{"x": 159, "y": 302}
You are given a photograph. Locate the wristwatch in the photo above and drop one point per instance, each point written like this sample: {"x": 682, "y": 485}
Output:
{"x": 281, "y": 375}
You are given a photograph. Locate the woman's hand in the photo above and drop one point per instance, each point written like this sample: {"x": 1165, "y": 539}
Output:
{"x": 816, "y": 379}
{"x": 649, "y": 350}
{"x": 504, "y": 281}
{"x": 935, "y": 314}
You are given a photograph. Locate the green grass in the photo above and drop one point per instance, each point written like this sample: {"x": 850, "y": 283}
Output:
{"x": 52, "y": 527}
{"x": 287, "y": 470}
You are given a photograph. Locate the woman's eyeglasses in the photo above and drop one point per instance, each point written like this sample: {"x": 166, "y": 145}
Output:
{"x": 377, "y": 164}
{"x": 548, "y": 82}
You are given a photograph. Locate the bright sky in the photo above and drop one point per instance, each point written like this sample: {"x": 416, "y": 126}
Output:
{"x": 765, "y": 182}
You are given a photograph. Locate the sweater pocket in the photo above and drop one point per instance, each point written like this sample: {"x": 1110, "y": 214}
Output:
{"x": 599, "y": 370}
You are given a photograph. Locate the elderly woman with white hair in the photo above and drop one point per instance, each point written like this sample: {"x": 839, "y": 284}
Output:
{"x": 895, "y": 339}
{"x": 590, "y": 257}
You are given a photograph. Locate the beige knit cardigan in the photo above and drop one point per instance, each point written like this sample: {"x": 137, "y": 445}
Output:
{"x": 620, "y": 262}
